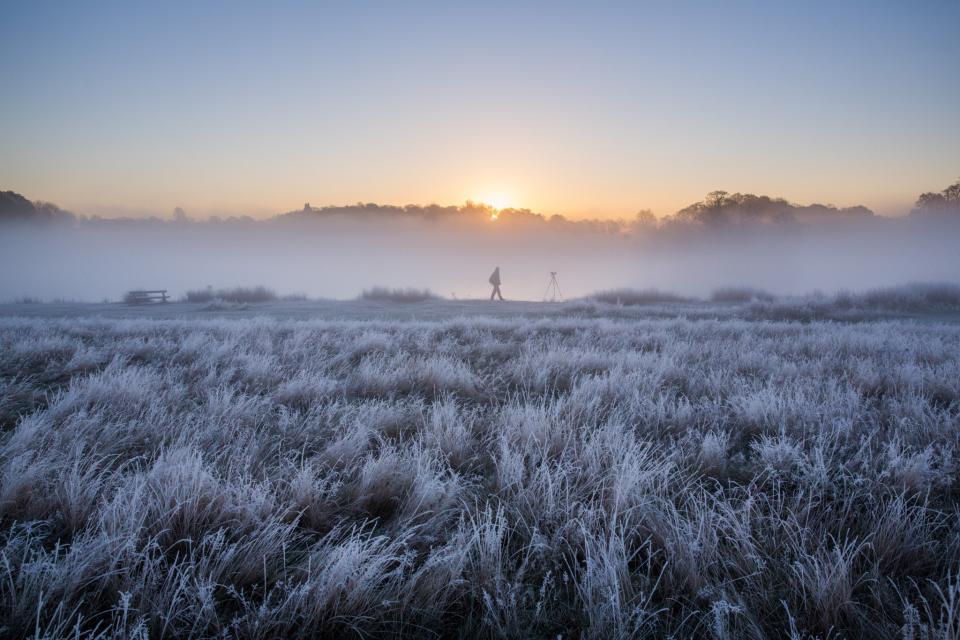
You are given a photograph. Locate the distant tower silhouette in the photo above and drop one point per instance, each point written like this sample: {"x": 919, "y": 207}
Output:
{"x": 553, "y": 289}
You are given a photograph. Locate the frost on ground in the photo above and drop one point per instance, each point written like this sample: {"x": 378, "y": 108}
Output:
{"x": 479, "y": 478}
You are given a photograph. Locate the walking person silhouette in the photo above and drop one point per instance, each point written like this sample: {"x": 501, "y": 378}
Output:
{"x": 495, "y": 281}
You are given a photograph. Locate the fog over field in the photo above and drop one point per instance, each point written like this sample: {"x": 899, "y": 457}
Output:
{"x": 632, "y": 464}
{"x": 338, "y": 251}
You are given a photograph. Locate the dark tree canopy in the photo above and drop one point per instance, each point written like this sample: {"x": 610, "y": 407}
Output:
{"x": 946, "y": 202}
{"x": 15, "y": 208}
{"x": 721, "y": 207}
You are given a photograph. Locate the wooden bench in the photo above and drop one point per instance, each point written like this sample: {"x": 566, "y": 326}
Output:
{"x": 145, "y": 297}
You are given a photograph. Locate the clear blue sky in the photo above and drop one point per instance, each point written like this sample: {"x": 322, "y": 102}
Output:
{"x": 583, "y": 109}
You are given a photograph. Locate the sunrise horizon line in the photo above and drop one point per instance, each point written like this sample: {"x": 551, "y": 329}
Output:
{"x": 599, "y": 213}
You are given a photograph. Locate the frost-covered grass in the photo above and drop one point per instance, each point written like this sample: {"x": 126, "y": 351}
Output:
{"x": 407, "y": 295}
{"x": 751, "y": 303}
{"x": 587, "y": 477}
{"x": 630, "y": 297}
{"x": 919, "y": 296}
{"x": 916, "y": 298}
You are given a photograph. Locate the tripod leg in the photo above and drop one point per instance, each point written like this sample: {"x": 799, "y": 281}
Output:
{"x": 553, "y": 288}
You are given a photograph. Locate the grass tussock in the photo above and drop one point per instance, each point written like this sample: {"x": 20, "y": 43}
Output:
{"x": 406, "y": 296}
{"x": 741, "y": 295}
{"x": 237, "y": 295}
{"x": 478, "y": 478}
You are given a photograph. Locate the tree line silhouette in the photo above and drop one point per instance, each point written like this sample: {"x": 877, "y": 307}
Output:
{"x": 717, "y": 209}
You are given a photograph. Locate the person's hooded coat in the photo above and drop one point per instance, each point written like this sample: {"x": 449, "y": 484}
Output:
{"x": 495, "y": 277}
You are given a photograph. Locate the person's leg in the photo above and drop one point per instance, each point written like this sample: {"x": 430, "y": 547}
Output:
{"x": 500, "y": 295}
{"x": 493, "y": 293}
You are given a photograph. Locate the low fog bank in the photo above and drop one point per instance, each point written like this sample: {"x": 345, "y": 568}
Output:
{"x": 338, "y": 252}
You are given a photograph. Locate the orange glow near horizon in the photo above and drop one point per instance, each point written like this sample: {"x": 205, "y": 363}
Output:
{"x": 561, "y": 112}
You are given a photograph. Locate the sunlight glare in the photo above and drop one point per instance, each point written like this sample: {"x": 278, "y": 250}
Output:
{"x": 496, "y": 200}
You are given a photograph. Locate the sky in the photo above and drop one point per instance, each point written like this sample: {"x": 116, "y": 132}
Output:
{"x": 584, "y": 109}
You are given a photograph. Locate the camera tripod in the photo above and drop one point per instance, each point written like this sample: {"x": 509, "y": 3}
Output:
{"x": 553, "y": 289}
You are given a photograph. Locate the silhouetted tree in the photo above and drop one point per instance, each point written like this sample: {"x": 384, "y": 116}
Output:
{"x": 947, "y": 202}
{"x": 716, "y": 199}
{"x": 952, "y": 193}
{"x": 15, "y": 208}
{"x": 721, "y": 208}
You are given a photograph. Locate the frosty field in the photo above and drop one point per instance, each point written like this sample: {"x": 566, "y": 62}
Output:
{"x": 576, "y": 474}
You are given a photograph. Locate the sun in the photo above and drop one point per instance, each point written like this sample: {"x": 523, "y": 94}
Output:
{"x": 497, "y": 200}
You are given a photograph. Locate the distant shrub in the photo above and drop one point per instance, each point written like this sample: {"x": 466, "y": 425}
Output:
{"x": 741, "y": 294}
{"x": 410, "y": 294}
{"x": 237, "y": 294}
{"x": 917, "y": 296}
{"x": 636, "y": 297}
{"x": 198, "y": 295}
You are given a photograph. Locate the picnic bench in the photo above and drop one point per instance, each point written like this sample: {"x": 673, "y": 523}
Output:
{"x": 145, "y": 297}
